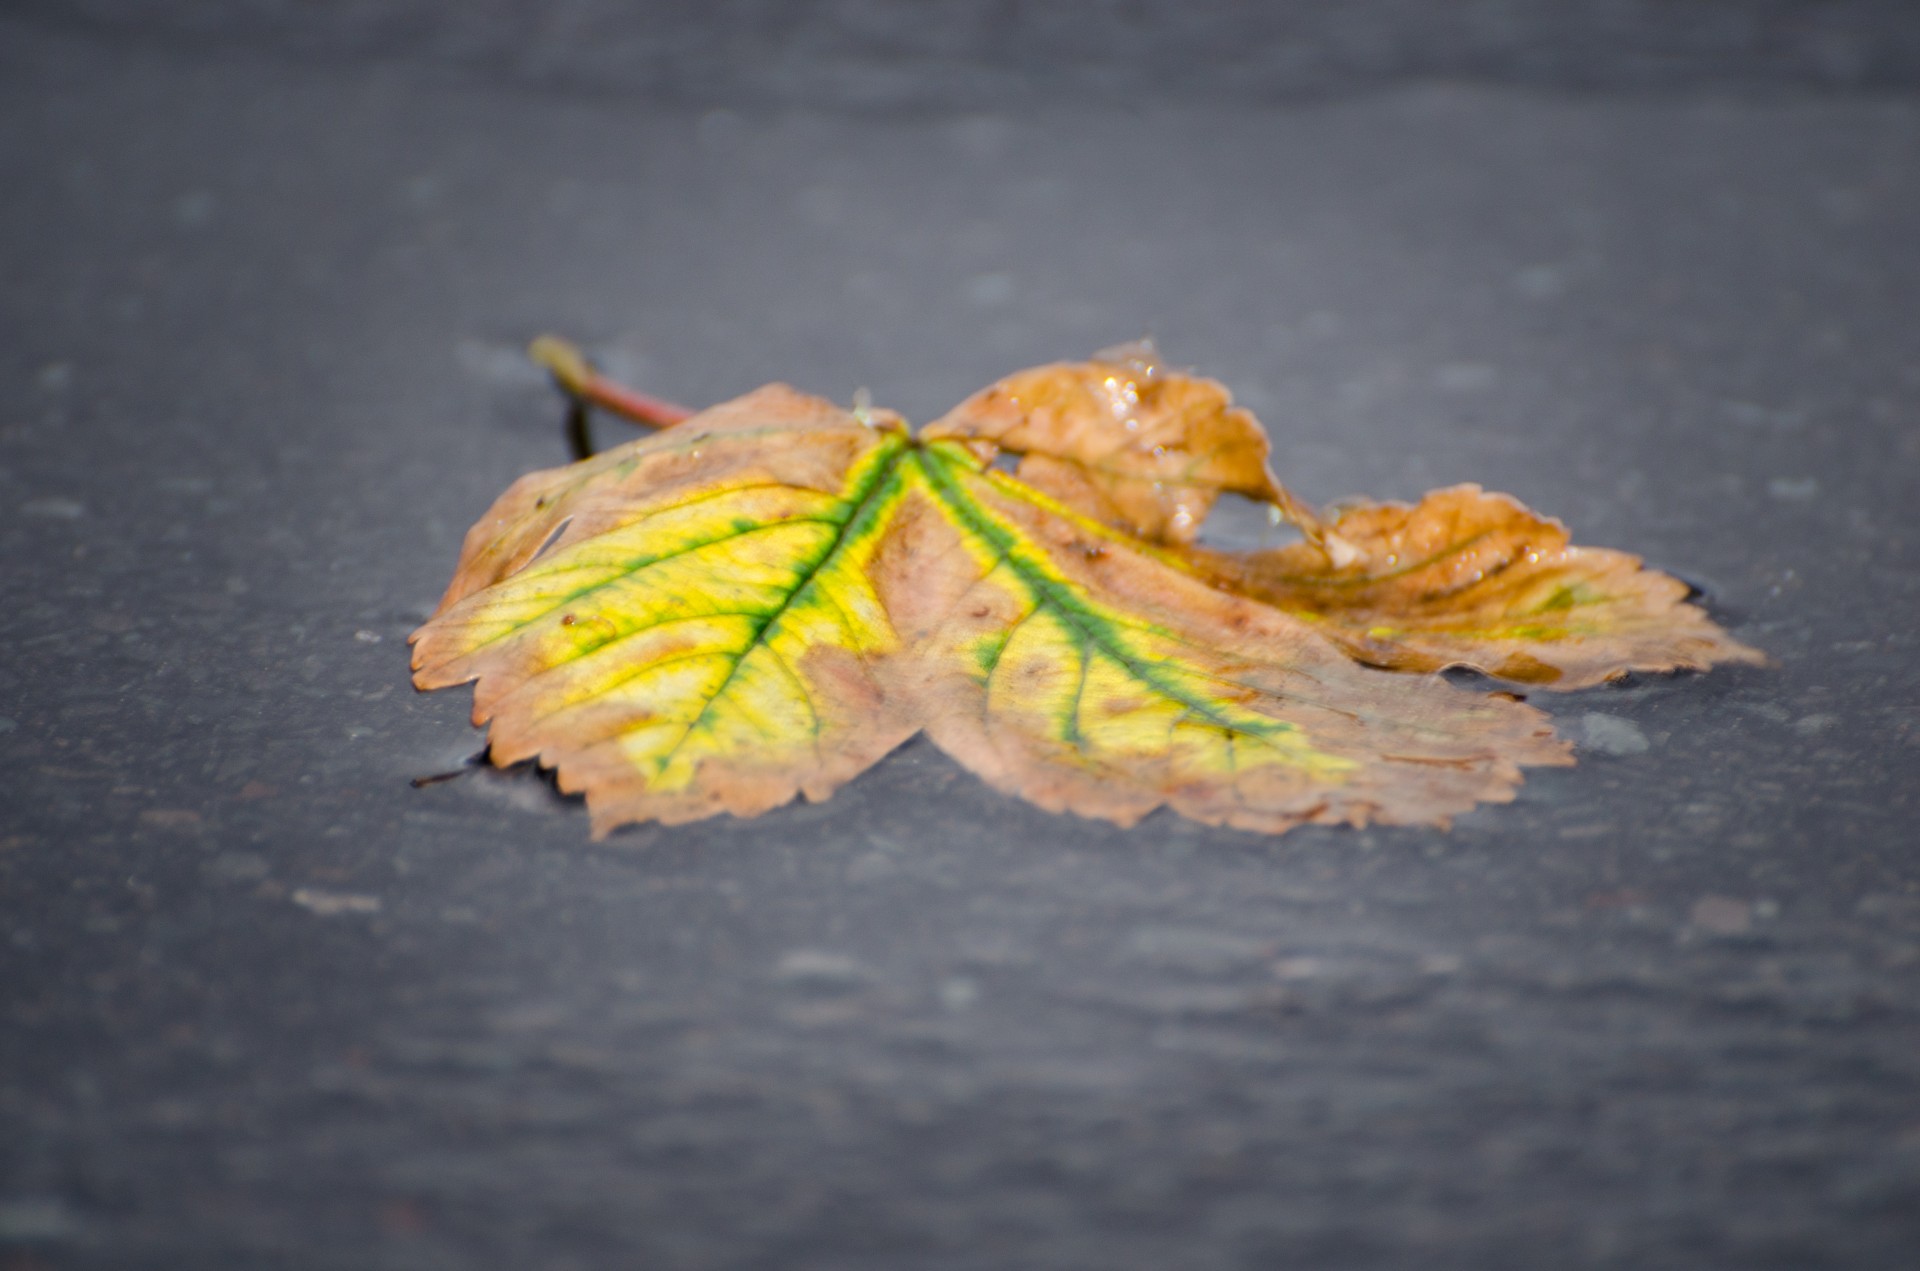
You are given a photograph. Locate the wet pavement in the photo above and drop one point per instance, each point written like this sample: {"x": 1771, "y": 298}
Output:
{"x": 263, "y": 1003}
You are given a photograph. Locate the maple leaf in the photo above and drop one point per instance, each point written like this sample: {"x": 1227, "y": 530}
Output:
{"x": 761, "y": 601}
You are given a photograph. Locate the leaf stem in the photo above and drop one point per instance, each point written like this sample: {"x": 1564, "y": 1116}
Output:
{"x": 579, "y": 381}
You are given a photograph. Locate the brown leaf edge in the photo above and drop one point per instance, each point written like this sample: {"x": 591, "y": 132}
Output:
{"x": 1467, "y": 578}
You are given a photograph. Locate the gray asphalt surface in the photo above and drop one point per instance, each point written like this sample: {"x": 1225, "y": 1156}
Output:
{"x": 264, "y": 1004}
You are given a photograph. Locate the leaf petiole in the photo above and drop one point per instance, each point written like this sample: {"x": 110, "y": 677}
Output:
{"x": 585, "y": 387}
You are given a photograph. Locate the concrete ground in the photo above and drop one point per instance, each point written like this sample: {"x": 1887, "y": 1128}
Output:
{"x": 264, "y": 1004}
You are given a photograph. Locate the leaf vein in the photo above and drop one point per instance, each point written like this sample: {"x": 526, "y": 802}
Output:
{"x": 876, "y": 484}
{"x": 634, "y": 571}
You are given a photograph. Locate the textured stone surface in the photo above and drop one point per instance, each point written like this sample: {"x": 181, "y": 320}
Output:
{"x": 884, "y": 54}
{"x": 264, "y": 1004}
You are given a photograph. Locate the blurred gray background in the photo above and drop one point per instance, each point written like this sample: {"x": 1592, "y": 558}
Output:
{"x": 971, "y": 53}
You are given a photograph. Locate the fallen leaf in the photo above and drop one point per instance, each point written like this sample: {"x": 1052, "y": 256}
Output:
{"x": 761, "y": 601}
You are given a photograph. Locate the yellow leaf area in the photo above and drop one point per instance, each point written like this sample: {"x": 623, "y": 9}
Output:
{"x": 684, "y": 625}
{"x": 762, "y": 601}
